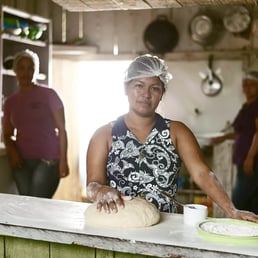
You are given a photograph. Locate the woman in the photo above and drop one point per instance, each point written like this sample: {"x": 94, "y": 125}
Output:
{"x": 34, "y": 131}
{"x": 140, "y": 153}
{"x": 245, "y": 155}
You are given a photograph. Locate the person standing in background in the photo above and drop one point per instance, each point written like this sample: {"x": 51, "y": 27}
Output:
{"x": 34, "y": 131}
{"x": 245, "y": 154}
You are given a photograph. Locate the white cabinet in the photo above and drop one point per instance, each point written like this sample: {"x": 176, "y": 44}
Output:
{"x": 20, "y": 31}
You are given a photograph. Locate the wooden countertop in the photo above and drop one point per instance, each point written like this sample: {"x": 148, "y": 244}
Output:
{"x": 63, "y": 222}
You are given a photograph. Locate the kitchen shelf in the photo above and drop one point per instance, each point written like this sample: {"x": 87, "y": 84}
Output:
{"x": 24, "y": 40}
{"x": 59, "y": 49}
{"x": 221, "y": 54}
{"x": 24, "y": 15}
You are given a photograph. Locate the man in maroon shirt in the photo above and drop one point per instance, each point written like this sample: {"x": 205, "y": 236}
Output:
{"x": 245, "y": 156}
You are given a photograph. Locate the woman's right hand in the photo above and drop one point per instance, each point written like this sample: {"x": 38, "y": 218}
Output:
{"x": 15, "y": 159}
{"x": 107, "y": 198}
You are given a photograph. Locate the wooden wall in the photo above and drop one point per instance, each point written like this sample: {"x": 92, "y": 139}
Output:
{"x": 126, "y": 28}
{"x": 12, "y": 247}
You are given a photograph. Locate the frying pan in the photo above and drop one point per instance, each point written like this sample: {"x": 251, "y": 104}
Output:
{"x": 161, "y": 35}
{"x": 211, "y": 84}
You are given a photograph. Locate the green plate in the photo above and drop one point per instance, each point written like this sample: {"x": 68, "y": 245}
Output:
{"x": 229, "y": 230}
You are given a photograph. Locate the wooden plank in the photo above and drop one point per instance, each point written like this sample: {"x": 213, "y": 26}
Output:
{"x": 185, "y": 3}
{"x": 26, "y": 5}
{"x": 70, "y": 251}
{"x": 57, "y": 25}
{"x": 107, "y": 5}
{"x": 164, "y": 4}
{"x": 127, "y": 255}
{"x": 104, "y": 254}
{"x": 42, "y": 8}
{"x": 25, "y": 248}
{"x": 1, "y": 247}
{"x": 8, "y": 2}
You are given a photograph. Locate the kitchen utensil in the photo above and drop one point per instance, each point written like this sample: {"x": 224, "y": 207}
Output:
{"x": 25, "y": 29}
{"x": 35, "y": 32}
{"x": 160, "y": 36}
{"x": 212, "y": 84}
{"x": 12, "y": 26}
{"x": 236, "y": 19}
{"x": 204, "y": 29}
{"x": 175, "y": 200}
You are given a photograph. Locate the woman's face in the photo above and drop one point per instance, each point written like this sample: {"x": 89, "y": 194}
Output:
{"x": 144, "y": 95}
{"x": 250, "y": 89}
{"x": 25, "y": 71}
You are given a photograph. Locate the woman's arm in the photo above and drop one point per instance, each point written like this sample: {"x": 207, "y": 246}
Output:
{"x": 97, "y": 154}
{"x": 190, "y": 152}
{"x": 59, "y": 119}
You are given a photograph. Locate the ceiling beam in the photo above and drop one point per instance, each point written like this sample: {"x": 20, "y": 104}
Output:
{"x": 108, "y": 5}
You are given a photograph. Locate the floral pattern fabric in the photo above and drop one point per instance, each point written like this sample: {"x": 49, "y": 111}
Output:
{"x": 137, "y": 169}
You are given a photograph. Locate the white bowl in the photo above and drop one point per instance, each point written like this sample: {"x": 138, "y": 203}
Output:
{"x": 194, "y": 214}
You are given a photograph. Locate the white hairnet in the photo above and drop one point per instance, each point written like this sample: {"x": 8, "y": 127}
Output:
{"x": 148, "y": 66}
{"x": 252, "y": 75}
{"x": 27, "y": 54}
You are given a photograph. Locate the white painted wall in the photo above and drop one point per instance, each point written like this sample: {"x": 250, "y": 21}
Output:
{"x": 184, "y": 95}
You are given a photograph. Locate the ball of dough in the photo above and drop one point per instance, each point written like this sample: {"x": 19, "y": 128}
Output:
{"x": 137, "y": 213}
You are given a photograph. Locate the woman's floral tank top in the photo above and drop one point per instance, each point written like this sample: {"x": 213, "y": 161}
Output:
{"x": 137, "y": 169}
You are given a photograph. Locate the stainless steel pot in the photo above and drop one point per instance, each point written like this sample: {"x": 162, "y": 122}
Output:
{"x": 204, "y": 29}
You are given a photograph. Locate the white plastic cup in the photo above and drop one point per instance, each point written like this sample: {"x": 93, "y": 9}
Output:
{"x": 194, "y": 214}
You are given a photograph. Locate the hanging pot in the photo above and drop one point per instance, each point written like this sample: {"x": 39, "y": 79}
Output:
{"x": 211, "y": 84}
{"x": 160, "y": 36}
{"x": 237, "y": 19}
{"x": 204, "y": 29}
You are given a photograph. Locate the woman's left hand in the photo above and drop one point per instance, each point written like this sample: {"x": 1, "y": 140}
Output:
{"x": 249, "y": 166}
{"x": 244, "y": 215}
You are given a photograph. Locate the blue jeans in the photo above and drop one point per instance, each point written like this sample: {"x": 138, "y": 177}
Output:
{"x": 37, "y": 178}
{"x": 245, "y": 193}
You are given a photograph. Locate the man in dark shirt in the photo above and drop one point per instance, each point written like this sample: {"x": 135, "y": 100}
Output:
{"x": 245, "y": 156}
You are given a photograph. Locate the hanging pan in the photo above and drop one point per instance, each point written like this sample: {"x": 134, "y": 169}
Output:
{"x": 160, "y": 36}
{"x": 205, "y": 29}
{"x": 237, "y": 19}
{"x": 211, "y": 84}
